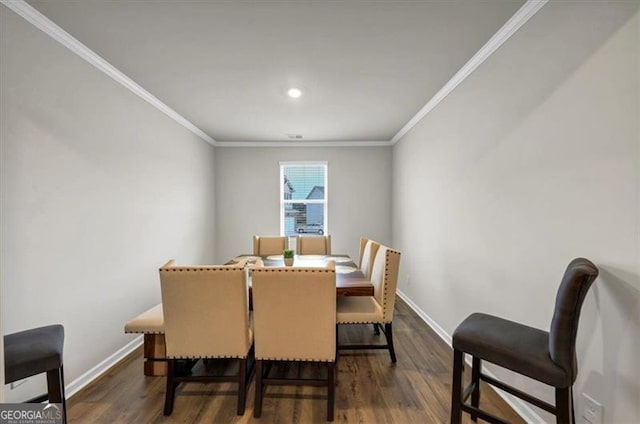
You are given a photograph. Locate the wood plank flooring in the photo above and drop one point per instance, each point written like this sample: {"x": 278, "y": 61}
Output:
{"x": 370, "y": 389}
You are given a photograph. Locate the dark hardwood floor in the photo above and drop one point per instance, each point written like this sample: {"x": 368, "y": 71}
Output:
{"x": 370, "y": 388}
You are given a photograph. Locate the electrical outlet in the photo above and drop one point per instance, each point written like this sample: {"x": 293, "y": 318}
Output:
{"x": 591, "y": 410}
{"x": 17, "y": 383}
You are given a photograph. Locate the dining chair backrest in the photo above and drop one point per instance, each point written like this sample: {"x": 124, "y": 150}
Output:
{"x": 294, "y": 313}
{"x": 206, "y": 312}
{"x": 384, "y": 277}
{"x": 363, "y": 243}
{"x": 313, "y": 245}
{"x": 264, "y": 246}
{"x": 369, "y": 250}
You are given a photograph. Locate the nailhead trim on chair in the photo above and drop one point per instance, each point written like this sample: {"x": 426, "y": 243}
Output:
{"x": 179, "y": 269}
{"x": 294, "y": 359}
{"x": 385, "y": 294}
{"x": 145, "y": 328}
{"x": 208, "y": 357}
{"x": 365, "y": 322}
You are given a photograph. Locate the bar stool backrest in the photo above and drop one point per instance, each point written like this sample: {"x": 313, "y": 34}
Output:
{"x": 577, "y": 280}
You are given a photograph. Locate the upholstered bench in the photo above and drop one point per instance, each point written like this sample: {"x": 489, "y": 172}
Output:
{"x": 151, "y": 324}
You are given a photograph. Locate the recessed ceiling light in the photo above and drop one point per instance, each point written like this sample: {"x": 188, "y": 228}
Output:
{"x": 294, "y": 93}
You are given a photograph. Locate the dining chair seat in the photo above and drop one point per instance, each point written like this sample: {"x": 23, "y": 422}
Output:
{"x": 511, "y": 345}
{"x": 358, "y": 309}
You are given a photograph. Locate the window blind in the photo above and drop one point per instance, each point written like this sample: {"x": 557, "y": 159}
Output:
{"x": 303, "y": 198}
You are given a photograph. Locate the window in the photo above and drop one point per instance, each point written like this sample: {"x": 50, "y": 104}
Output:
{"x": 303, "y": 198}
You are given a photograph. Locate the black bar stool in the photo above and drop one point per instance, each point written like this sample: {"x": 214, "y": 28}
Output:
{"x": 33, "y": 352}
{"x": 549, "y": 357}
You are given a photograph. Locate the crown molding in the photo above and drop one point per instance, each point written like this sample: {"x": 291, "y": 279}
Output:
{"x": 47, "y": 26}
{"x": 302, "y": 143}
{"x": 22, "y": 8}
{"x": 530, "y": 8}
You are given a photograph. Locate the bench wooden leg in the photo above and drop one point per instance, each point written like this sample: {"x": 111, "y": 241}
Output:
{"x": 155, "y": 355}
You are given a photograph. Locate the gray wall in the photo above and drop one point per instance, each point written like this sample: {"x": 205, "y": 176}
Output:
{"x": 98, "y": 190}
{"x": 530, "y": 162}
{"x": 247, "y": 195}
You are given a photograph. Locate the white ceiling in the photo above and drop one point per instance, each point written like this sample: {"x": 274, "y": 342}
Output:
{"x": 366, "y": 68}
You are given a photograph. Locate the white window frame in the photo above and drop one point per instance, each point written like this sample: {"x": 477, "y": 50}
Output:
{"x": 283, "y": 202}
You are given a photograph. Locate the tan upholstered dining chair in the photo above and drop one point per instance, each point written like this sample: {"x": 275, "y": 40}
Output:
{"x": 368, "y": 250}
{"x": 265, "y": 246}
{"x": 313, "y": 245}
{"x": 206, "y": 315}
{"x": 295, "y": 320}
{"x": 376, "y": 309}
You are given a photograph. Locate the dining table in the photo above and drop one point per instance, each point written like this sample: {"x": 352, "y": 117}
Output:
{"x": 350, "y": 280}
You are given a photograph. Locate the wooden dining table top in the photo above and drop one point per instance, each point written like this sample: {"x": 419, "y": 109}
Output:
{"x": 350, "y": 281}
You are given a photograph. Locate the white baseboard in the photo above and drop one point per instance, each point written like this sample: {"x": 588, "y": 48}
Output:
{"x": 79, "y": 383}
{"x": 519, "y": 406}
{"x": 426, "y": 318}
